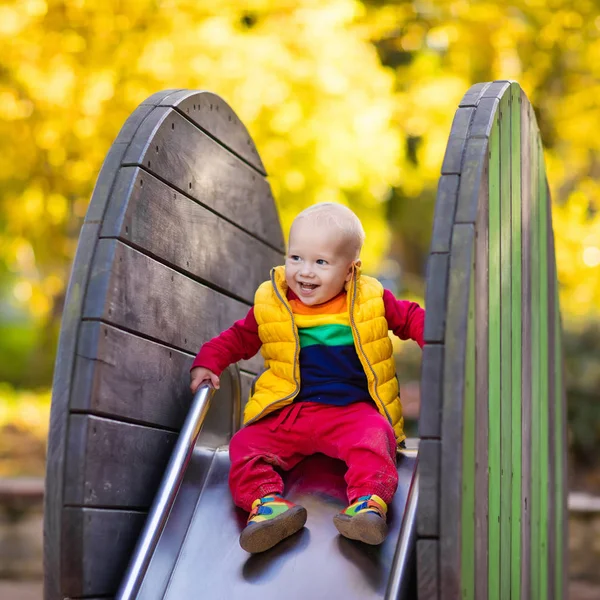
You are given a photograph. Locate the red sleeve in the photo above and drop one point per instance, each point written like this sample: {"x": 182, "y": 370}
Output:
{"x": 406, "y": 319}
{"x": 239, "y": 342}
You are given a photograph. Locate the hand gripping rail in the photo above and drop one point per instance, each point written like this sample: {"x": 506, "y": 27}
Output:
{"x": 165, "y": 497}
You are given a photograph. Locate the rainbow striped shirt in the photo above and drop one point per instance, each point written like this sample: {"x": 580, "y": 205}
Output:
{"x": 330, "y": 370}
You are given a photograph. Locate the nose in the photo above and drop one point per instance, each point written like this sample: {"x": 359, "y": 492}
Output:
{"x": 306, "y": 269}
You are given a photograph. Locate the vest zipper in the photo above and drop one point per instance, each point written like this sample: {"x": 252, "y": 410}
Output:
{"x": 355, "y": 328}
{"x": 296, "y": 356}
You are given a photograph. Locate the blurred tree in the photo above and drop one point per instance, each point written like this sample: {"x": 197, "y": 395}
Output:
{"x": 302, "y": 75}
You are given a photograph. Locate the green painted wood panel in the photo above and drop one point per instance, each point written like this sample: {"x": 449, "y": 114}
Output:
{"x": 505, "y": 345}
{"x": 516, "y": 361}
{"x": 560, "y": 480}
{"x": 535, "y": 366}
{"x": 494, "y": 366}
{"x": 544, "y": 463}
{"x": 468, "y": 487}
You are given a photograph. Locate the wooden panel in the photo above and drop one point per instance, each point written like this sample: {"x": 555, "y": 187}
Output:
{"x": 96, "y": 546}
{"x": 526, "y": 345}
{"x": 516, "y": 332}
{"x": 122, "y": 375}
{"x": 484, "y": 118}
{"x": 505, "y": 345}
{"x": 435, "y": 297}
{"x": 149, "y": 215}
{"x": 445, "y": 207}
{"x": 467, "y": 549}
{"x": 197, "y": 166}
{"x": 428, "y": 510}
{"x": 110, "y": 463}
{"x": 428, "y": 569}
{"x": 461, "y": 262}
{"x": 481, "y": 405}
{"x": 132, "y": 291}
{"x": 494, "y": 383}
{"x": 553, "y": 456}
{"x": 544, "y": 462}
{"x": 473, "y": 95}
{"x": 535, "y": 367}
{"x": 468, "y": 191}
{"x": 430, "y": 417}
{"x": 214, "y": 116}
{"x": 456, "y": 142}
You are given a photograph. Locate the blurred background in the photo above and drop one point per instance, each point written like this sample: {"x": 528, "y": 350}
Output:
{"x": 348, "y": 101}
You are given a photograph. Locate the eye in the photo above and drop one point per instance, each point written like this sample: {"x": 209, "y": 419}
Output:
{"x": 321, "y": 261}
{"x": 294, "y": 257}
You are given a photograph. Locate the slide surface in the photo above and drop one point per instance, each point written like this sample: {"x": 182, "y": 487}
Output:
{"x": 198, "y": 555}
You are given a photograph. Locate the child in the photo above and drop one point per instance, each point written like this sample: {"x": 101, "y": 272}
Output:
{"x": 330, "y": 383}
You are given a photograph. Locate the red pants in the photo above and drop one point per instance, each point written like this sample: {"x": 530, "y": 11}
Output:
{"x": 356, "y": 434}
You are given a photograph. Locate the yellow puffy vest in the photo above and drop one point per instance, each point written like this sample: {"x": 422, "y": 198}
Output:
{"x": 280, "y": 383}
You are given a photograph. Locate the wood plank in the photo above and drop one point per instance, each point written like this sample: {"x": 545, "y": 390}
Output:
{"x": 553, "y": 455}
{"x": 543, "y": 376}
{"x": 516, "y": 332}
{"x": 461, "y": 262}
{"x": 428, "y": 509}
{"x": 456, "y": 141}
{"x": 121, "y": 375}
{"x": 92, "y": 563}
{"x": 474, "y": 164}
{"x": 428, "y": 570}
{"x": 467, "y": 550}
{"x": 483, "y": 119}
{"x": 214, "y": 116}
{"x": 147, "y": 214}
{"x": 474, "y": 93}
{"x": 445, "y": 208}
{"x": 526, "y": 378}
{"x": 494, "y": 372}
{"x": 173, "y": 149}
{"x": 61, "y": 389}
{"x": 432, "y": 377}
{"x": 505, "y": 345}
{"x": 114, "y": 464}
{"x": 482, "y": 390}
{"x": 496, "y": 89}
{"x": 134, "y": 292}
{"x": 435, "y": 297}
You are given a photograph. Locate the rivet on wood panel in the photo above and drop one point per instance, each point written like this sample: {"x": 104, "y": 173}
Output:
{"x": 194, "y": 107}
{"x": 156, "y": 149}
{"x": 172, "y": 278}
{"x": 126, "y": 229}
{"x": 217, "y": 108}
{"x": 141, "y": 182}
{"x": 190, "y": 185}
{"x": 229, "y": 118}
{"x": 185, "y": 340}
{"x": 172, "y": 125}
{"x": 170, "y": 354}
{"x": 149, "y": 164}
{"x": 211, "y": 107}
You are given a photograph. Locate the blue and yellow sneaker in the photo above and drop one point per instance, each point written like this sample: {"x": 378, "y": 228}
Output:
{"x": 271, "y": 520}
{"x": 364, "y": 520}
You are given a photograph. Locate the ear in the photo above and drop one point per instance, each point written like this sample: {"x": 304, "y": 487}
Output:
{"x": 354, "y": 266}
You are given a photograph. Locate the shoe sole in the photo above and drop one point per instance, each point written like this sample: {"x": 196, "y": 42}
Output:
{"x": 368, "y": 528}
{"x": 260, "y": 537}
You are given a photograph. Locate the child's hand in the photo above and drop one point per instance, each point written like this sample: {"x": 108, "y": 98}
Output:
{"x": 199, "y": 375}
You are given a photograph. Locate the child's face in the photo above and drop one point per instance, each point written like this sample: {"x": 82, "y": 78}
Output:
{"x": 318, "y": 263}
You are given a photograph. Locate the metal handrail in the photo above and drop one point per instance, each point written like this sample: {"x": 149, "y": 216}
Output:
{"x": 166, "y": 494}
{"x": 400, "y": 576}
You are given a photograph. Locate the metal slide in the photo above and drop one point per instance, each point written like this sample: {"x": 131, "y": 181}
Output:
{"x": 189, "y": 547}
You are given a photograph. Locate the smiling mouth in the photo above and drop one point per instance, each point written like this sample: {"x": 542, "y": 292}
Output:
{"x": 308, "y": 287}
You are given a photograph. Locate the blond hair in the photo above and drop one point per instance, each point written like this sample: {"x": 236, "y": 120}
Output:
{"x": 330, "y": 214}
